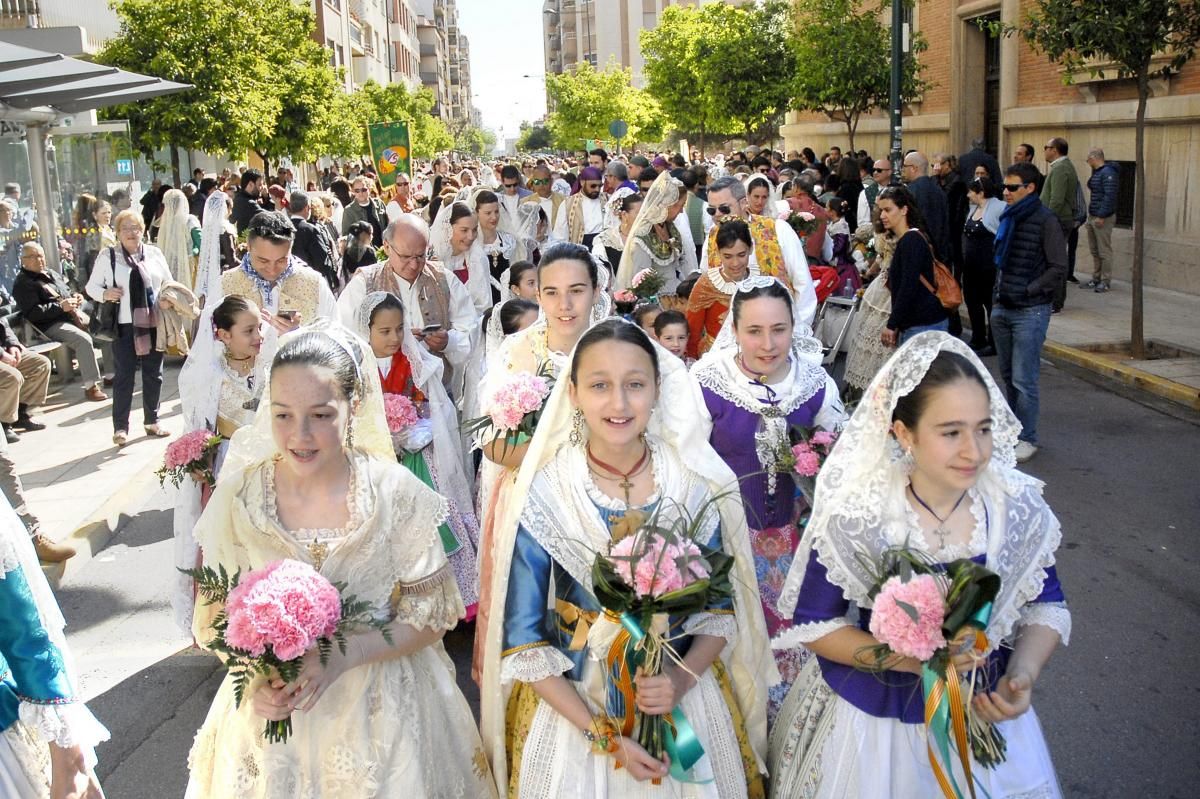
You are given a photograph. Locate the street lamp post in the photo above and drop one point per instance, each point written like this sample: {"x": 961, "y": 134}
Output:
{"x": 894, "y": 94}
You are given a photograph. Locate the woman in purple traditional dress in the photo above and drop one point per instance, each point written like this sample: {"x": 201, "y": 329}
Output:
{"x": 758, "y": 382}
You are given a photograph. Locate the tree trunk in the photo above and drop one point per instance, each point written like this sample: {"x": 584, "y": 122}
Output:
{"x": 175, "y": 165}
{"x": 1136, "y": 332}
{"x": 266, "y": 164}
{"x": 851, "y": 125}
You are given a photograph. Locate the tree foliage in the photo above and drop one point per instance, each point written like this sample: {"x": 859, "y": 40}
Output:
{"x": 534, "y": 138}
{"x": 723, "y": 68}
{"x": 586, "y": 101}
{"x": 395, "y": 103}
{"x": 844, "y": 51}
{"x": 474, "y": 140}
{"x": 1082, "y": 35}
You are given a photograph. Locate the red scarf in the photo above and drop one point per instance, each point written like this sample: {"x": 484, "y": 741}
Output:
{"x": 400, "y": 379}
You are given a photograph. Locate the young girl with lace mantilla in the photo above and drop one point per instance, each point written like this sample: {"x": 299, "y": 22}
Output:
{"x": 927, "y": 462}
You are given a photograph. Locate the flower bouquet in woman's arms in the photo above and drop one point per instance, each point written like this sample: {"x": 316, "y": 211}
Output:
{"x": 274, "y": 616}
{"x": 804, "y": 223}
{"x": 937, "y": 615}
{"x": 654, "y": 570}
{"x": 512, "y": 410}
{"x": 647, "y": 283}
{"x": 190, "y": 455}
{"x": 809, "y": 452}
{"x": 410, "y": 433}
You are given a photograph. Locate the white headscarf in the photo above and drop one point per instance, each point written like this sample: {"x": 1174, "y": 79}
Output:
{"x": 255, "y": 444}
{"x": 861, "y": 507}
{"x": 479, "y": 282}
{"x": 208, "y": 270}
{"x": 675, "y": 428}
{"x": 664, "y": 192}
{"x": 175, "y": 237}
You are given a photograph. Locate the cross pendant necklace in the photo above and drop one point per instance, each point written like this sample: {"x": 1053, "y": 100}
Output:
{"x": 625, "y": 482}
{"x": 941, "y": 530}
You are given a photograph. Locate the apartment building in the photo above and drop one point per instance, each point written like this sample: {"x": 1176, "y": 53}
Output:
{"x": 406, "y": 47}
{"x": 445, "y": 58}
{"x": 597, "y": 31}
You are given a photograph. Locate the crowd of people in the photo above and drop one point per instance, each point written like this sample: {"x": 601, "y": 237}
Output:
{"x": 304, "y": 312}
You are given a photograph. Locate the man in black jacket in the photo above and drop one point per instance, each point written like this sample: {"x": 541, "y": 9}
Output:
{"x": 44, "y": 300}
{"x": 246, "y": 202}
{"x": 977, "y": 156}
{"x": 1031, "y": 262}
{"x": 311, "y": 245}
{"x": 931, "y": 202}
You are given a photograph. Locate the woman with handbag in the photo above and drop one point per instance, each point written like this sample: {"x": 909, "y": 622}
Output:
{"x": 911, "y": 277}
{"x": 130, "y": 276}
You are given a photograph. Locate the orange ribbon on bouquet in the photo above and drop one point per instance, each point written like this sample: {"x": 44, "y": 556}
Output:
{"x": 946, "y": 712}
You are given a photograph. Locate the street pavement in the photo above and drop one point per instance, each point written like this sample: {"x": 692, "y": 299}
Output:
{"x": 1119, "y": 705}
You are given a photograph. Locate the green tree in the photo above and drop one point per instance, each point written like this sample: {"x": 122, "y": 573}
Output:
{"x": 221, "y": 49}
{"x": 395, "y": 103}
{"x": 474, "y": 140}
{"x": 676, "y": 76}
{"x": 534, "y": 138}
{"x": 586, "y": 101}
{"x": 843, "y": 51}
{"x": 1122, "y": 40}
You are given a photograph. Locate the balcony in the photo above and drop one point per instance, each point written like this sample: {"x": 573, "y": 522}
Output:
{"x": 568, "y": 19}
{"x": 428, "y": 50}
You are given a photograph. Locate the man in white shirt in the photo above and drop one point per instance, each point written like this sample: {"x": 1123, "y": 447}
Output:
{"x": 727, "y": 199}
{"x": 438, "y": 307}
{"x": 511, "y": 194}
{"x": 550, "y": 201}
{"x": 881, "y": 178}
{"x": 582, "y": 217}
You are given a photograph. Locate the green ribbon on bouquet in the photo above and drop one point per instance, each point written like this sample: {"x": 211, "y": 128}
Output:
{"x": 680, "y": 740}
{"x": 945, "y": 715}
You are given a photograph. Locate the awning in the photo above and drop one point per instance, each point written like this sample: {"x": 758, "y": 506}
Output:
{"x": 36, "y": 79}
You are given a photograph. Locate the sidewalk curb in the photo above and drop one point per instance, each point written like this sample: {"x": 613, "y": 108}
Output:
{"x": 95, "y": 532}
{"x": 1121, "y": 373}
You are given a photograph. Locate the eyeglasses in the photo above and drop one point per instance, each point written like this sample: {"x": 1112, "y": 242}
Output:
{"x": 1013, "y": 187}
{"x": 538, "y": 182}
{"x": 360, "y": 191}
{"x": 129, "y": 229}
{"x": 723, "y": 208}
{"x": 511, "y": 185}
{"x": 404, "y": 258}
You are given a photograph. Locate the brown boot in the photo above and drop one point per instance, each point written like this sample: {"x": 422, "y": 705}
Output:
{"x": 50, "y": 552}
{"x": 94, "y": 393}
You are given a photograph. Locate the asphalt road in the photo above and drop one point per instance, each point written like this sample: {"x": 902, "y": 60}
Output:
{"x": 1120, "y": 705}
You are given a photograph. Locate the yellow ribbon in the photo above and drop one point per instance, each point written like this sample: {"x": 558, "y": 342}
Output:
{"x": 582, "y": 619}
{"x": 949, "y": 687}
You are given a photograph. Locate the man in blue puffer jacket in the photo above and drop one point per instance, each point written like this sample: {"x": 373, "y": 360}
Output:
{"x": 1102, "y": 214}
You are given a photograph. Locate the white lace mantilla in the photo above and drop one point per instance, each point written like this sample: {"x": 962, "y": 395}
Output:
{"x": 534, "y": 664}
{"x": 721, "y": 375}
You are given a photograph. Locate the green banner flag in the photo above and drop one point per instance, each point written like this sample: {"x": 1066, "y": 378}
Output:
{"x": 390, "y": 151}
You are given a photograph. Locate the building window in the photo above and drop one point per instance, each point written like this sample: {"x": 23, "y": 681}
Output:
{"x": 1126, "y": 190}
{"x": 334, "y": 4}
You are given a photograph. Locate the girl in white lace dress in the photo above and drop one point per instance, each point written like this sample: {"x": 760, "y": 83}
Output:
{"x": 613, "y": 440}
{"x": 927, "y": 461}
{"x": 315, "y": 479}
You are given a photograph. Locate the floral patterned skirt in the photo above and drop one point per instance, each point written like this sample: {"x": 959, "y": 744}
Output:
{"x": 773, "y": 549}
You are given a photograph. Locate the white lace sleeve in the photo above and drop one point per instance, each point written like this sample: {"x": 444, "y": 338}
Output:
{"x": 801, "y": 634}
{"x": 66, "y": 725}
{"x": 1055, "y": 615}
{"x": 433, "y": 603}
{"x": 721, "y": 625}
{"x": 534, "y": 663}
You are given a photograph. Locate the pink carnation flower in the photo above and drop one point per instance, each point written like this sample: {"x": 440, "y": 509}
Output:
{"x": 806, "y": 216}
{"x": 522, "y": 393}
{"x": 654, "y": 567}
{"x": 891, "y": 624}
{"x": 639, "y": 277}
{"x": 400, "y": 412}
{"x": 823, "y": 438}
{"x": 286, "y": 606}
{"x": 186, "y": 449}
{"x": 808, "y": 463}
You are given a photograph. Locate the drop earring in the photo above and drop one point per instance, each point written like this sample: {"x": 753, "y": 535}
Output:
{"x": 350, "y": 436}
{"x": 576, "y": 437}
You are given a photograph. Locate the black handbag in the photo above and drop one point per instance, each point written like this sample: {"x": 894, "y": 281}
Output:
{"x": 104, "y": 320}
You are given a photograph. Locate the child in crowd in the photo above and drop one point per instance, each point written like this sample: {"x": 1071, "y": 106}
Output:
{"x": 522, "y": 280}
{"x": 516, "y": 315}
{"x": 684, "y": 290}
{"x": 644, "y": 316}
{"x": 671, "y": 331}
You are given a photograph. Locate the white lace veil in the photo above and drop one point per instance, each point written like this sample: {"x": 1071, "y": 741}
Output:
{"x": 676, "y": 423}
{"x": 860, "y": 506}
{"x": 208, "y": 270}
{"x": 175, "y": 236}
{"x": 528, "y": 217}
{"x": 255, "y": 443}
{"x": 664, "y": 192}
{"x": 427, "y": 377}
{"x": 804, "y": 344}
{"x": 479, "y": 284}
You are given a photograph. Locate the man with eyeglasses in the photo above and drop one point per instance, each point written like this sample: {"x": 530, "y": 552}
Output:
{"x": 584, "y": 217}
{"x": 544, "y": 195}
{"x": 881, "y": 178}
{"x": 512, "y": 194}
{"x": 779, "y": 255}
{"x": 365, "y": 208}
{"x": 437, "y": 305}
{"x": 1031, "y": 259}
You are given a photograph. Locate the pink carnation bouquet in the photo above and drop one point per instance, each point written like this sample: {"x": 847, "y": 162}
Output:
{"x": 512, "y": 410}
{"x": 647, "y": 283}
{"x": 190, "y": 454}
{"x": 804, "y": 223}
{"x": 272, "y": 617}
{"x": 655, "y": 569}
{"x": 931, "y": 612}
{"x": 808, "y": 455}
{"x": 400, "y": 412}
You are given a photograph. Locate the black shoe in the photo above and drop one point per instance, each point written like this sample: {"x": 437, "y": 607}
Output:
{"x": 10, "y": 435}
{"x": 1072, "y": 279}
{"x": 25, "y": 422}
{"x": 986, "y": 352}
{"x": 1055, "y": 310}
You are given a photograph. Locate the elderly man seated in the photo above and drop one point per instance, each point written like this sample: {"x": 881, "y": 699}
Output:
{"x": 24, "y": 377}
{"x": 46, "y": 303}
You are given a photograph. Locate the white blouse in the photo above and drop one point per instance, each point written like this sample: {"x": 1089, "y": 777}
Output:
{"x": 109, "y": 270}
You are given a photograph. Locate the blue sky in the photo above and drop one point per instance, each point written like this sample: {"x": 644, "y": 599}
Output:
{"x": 506, "y": 43}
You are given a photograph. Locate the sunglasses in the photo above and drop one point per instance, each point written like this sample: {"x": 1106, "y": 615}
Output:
{"x": 1013, "y": 187}
{"x": 723, "y": 208}
{"x": 877, "y": 169}
{"x": 511, "y": 185}
{"x": 538, "y": 182}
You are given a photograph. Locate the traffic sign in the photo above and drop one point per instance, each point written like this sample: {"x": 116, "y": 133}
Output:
{"x": 124, "y": 166}
{"x": 618, "y": 128}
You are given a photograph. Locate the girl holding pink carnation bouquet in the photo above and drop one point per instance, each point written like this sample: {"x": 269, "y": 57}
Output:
{"x": 946, "y": 552}
{"x": 219, "y": 387}
{"x": 621, "y": 510}
{"x": 315, "y": 480}
{"x": 424, "y": 428}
